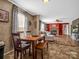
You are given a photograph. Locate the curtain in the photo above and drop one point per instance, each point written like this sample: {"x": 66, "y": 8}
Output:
{"x": 42, "y": 26}
{"x": 15, "y": 19}
{"x": 25, "y": 25}
{"x": 25, "y": 21}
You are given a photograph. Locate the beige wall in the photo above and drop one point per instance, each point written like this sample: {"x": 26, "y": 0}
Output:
{"x": 34, "y": 23}
{"x": 36, "y": 19}
{"x": 30, "y": 18}
{"x": 5, "y": 28}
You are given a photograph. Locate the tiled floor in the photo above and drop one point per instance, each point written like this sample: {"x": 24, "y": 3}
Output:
{"x": 63, "y": 47}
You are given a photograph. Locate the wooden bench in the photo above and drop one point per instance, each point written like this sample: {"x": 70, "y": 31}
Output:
{"x": 41, "y": 46}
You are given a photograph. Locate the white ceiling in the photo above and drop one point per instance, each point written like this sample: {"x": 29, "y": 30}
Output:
{"x": 64, "y": 10}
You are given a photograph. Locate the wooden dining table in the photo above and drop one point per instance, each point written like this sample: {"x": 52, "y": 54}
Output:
{"x": 33, "y": 40}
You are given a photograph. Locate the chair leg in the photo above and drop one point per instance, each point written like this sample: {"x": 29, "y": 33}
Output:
{"x": 17, "y": 54}
{"x": 35, "y": 54}
{"x": 42, "y": 54}
{"x": 30, "y": 51}
{"x": 24, "y": 52}
{"x": 47, "y": 46}
{"x": 14, "y": 54}
{"x": 21, "y": 54}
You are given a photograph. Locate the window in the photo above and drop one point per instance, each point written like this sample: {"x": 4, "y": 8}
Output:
{"x": 21, "y": 21}
{"x": 42, "y": 26}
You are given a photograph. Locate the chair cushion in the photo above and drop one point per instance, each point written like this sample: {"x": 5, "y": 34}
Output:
{"x": 23, "y": 42}
{"x": 24, "y": 45}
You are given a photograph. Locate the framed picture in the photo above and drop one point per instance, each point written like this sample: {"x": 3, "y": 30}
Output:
{"x": 4, "y": 16}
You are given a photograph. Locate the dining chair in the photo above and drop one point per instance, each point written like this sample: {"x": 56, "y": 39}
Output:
{"x": 19, "y": 47}
{"x": 40, "y": 46}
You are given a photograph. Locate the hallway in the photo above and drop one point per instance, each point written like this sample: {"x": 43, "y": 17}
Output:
{"x": 61, "y": 47}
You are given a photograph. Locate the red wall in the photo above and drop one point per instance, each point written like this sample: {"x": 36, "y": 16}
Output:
{"x": 49, "y": 26}
{"x": 58, "y": 26}
{"x": 60, "y": 29}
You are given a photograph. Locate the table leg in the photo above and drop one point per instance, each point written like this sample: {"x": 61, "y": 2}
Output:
{"x": 33, "y": 50}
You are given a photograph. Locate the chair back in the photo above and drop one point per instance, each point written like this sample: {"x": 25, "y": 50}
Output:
{"x": 16, "y": 41}
{"x": 41, "y": 40}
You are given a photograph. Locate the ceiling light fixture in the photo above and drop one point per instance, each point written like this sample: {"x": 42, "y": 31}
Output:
{"x": 45, "y": 1}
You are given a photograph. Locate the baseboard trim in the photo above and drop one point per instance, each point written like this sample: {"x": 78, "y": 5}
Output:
{"x": 8, "y": 52}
